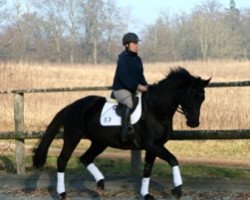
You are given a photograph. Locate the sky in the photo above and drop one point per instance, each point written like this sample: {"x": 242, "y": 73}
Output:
{"x": 145, "y": 12}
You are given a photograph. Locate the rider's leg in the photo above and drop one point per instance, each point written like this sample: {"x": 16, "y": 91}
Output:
{"x": 125, "y": 97}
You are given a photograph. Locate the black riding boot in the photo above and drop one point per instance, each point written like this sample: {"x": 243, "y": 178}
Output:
{"x": 126, "y": 126}
{"x": 128, "y": 132}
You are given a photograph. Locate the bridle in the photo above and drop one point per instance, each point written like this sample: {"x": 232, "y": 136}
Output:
{"x": 184, "y": 109}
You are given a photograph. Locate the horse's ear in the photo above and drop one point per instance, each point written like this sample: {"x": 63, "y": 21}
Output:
{"x": 206, "y": 82}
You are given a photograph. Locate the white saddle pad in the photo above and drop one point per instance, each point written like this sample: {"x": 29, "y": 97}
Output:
{"x": 110, "y": 118}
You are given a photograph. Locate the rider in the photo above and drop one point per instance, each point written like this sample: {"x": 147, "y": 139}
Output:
{"x": 128, "y": 78}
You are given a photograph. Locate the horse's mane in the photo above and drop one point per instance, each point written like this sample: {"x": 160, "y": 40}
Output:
{"x": 179, "y": 72}
{"x": 161, "y": 93}
{"x": 175, "y": 76}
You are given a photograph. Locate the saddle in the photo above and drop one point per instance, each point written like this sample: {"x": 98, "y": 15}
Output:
{"x": 111, "y": 112}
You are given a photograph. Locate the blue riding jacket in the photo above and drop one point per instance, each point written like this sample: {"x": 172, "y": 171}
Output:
{"x": 129, "y": 72}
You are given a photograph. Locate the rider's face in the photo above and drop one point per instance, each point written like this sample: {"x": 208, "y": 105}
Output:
{"x": 133, "y": 47}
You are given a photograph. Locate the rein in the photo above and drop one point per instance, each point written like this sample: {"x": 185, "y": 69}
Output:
{"x": 181, "y": 111}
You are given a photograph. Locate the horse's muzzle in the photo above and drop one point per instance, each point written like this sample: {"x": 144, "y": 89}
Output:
{"x": 193, "y": 123}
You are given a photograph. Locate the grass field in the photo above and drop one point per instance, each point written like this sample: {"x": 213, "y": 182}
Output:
{"x": 224, "y": 108}
{"x": 122, "y": 167}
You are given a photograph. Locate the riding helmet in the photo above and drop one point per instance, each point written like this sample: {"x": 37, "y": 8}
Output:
{"x": 130, "y": 37}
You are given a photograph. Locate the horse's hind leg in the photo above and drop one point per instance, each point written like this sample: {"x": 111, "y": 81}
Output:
{"x": 87, "y": 160}
{"x": 71, "y": 139}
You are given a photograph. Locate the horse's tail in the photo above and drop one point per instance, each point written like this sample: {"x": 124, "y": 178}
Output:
{"x": 41, "y": 151}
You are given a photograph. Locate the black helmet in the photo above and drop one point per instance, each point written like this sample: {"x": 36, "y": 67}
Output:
{"x": 130, "y": 37}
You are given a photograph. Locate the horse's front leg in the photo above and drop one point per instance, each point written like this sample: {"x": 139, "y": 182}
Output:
{"x": 163, "y": 153}
{"x": 149, "y": 162}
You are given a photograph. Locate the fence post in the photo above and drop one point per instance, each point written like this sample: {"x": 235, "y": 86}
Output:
{"x": 19, "y": 126}
{"x": 136, "y": 162}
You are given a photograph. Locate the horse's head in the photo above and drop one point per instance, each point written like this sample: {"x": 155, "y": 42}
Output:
{"x": 179, "y": 88}
{"x": 192, "y": 98}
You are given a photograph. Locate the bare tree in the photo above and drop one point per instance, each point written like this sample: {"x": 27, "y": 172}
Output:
{"x": 91, "y": 31}
{"x": 71, "y": 9}
{"x": 203, "y": 23}
{"x": 234, "y": 28}
{"x": 3, "y": 4}
{"x": 19, "y": 33}
{"x": 185, "y": 41}
{"x": 18, "y": 23}
{"x": 159, "y": 42}
{"x": 92, "y": 11}
{"x": 114, "y": 22}
{"x": 246, "y": 35}
{"x": 52, "y": 12}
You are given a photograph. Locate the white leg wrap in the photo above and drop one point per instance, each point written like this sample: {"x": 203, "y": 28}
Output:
{"x": 145, "y": 186}
{"x": 95, "y": 172}
{"x": 60, "y": 182}
{"x": 177, "y": 176}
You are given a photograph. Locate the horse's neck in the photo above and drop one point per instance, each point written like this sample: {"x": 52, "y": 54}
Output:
{"x": 167, "y": 107}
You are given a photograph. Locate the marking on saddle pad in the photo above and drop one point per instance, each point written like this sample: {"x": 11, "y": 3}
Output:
{"x": 110, "y": 118}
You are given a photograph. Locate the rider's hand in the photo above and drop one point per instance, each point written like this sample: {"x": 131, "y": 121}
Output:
{"x": 142, "y": 88}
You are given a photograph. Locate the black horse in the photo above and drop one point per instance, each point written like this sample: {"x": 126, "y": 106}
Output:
{"x": 82, "y": 119}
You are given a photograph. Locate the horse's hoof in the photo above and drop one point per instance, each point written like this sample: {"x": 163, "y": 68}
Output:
{"x": 177, "y": 191}
{"x": 100, "y": 186}
{"x": 63, "y": 196}
{"x": 148, "y": 197}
